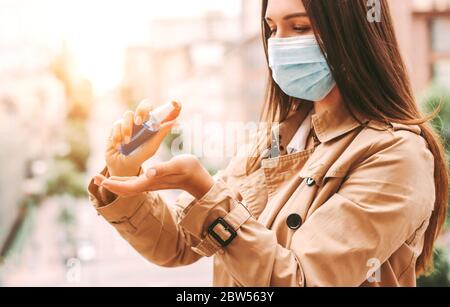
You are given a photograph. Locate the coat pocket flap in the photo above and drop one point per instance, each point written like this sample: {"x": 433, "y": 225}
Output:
{"x": 320, "y": 173}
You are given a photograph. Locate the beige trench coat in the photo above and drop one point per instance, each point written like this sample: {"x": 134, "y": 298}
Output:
{"x": 328, "y": 216}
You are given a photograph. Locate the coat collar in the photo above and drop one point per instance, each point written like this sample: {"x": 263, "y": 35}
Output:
{"x": 335, "y": 121}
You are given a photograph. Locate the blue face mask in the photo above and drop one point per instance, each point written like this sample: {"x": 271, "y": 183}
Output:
{"x": 299, "y": 67}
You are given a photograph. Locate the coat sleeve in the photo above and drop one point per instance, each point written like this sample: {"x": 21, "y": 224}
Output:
{"x": 149, "y": 225}
{"x": 385, "y": 198}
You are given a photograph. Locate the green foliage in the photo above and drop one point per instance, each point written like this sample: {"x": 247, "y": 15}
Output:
{"x": 439, "y": 96}
{"x": 77, "y": 137}
{"x": 66, "y": 174}
{"x": 64, "y": 178}
{"x": 434, "y": 97}
{"x": 440, "y": 276}
{"x": 66, "y": 217}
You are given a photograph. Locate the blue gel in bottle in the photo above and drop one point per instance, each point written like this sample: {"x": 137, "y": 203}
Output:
{"x": 143, "y": 133}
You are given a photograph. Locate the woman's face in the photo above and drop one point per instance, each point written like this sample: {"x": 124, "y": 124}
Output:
{"x": 287, "y": 18}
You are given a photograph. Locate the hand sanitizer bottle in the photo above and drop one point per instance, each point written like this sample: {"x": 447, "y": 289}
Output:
{"x": 143, "y": 133}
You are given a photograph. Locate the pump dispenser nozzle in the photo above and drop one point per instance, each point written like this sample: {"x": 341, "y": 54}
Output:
{"x": 143, "y": 133}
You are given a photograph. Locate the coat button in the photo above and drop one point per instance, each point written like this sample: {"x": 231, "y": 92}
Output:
{"x": 294, "y": 221}
{"x": 310, "y": 182}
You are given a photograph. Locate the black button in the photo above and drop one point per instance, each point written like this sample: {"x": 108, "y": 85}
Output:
{"x": 310, "y": 182}
{"x": 294, "y": 221}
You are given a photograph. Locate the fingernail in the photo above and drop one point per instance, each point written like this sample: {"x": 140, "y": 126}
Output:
{"x": 138, "y": 120}
{"x": 151, "y": 172}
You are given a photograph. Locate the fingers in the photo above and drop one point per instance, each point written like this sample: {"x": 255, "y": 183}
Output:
{"x": 165, "y": 129}
{"x": 163, "y": 169}
{"x": 98, "y": 179}
{"x": 116, "y": 134}
{"x": 127, "y": 126}
{"x": 148, "y": 149}
{"x": 145, "y": 107}
{"x": 142, "y": 111}
{"x": 122, "y": 131}
{"x": 117, "y": 178}
{"x": 162, "y": 176}
{"x": 126, "y": 186}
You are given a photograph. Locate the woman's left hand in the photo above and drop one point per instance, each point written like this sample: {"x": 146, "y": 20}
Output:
{"x": 181, "y": 173}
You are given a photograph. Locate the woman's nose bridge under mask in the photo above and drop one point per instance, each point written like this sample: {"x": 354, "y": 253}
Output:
{"x": 299, "y": 67}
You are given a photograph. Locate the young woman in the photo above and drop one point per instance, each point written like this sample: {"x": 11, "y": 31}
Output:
{"x": 355, "y": 195}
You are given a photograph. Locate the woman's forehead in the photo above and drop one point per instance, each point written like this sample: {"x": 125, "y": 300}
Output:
{"x": 278, "y": 9}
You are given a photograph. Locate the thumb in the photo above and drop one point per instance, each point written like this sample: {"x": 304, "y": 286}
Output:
{"x": 162, "y": 133}
{"x": 148, "y": 149}
{"x": 161, "y": 170}
{"x": 166, "y": 127}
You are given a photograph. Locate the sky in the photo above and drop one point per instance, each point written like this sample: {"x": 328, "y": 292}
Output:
{"x": 97, "y": 31}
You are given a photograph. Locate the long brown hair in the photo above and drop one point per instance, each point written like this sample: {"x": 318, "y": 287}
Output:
{"x": 366, "y": 64}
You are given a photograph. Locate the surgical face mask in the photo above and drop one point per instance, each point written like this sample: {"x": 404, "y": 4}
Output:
{"x": 299, "y": 67}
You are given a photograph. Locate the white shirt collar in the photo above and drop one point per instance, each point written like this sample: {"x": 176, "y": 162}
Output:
{"x": 300, "y": 139}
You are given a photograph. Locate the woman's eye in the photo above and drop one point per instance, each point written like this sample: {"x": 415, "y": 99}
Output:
{"x": 302, "y": 29}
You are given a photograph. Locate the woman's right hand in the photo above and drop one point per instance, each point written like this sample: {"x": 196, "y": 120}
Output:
{"x": 120, "y": 165}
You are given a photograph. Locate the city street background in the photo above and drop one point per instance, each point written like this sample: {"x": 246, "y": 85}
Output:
{"x": 68, "y": 71}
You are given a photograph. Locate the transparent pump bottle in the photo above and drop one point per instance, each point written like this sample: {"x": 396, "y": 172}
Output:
{"x": 145, "y": 132}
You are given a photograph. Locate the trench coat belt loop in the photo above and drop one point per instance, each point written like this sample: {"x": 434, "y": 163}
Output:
{"x": 209, "y": 246}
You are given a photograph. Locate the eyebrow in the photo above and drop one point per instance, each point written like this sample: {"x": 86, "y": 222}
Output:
{"x": 290, "y": 16}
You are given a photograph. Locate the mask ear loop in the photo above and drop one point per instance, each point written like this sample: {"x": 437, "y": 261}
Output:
{"x": 297, "y": 102}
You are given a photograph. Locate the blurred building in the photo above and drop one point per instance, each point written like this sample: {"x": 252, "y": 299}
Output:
{"x": 219, "y": 60}
{"x": 213, "y": 64}
{"x": 32, "y": 101}
{"x": 423, "y": 28}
